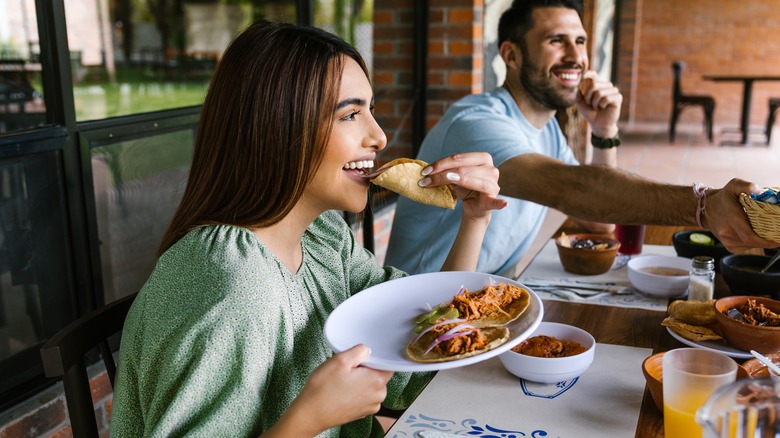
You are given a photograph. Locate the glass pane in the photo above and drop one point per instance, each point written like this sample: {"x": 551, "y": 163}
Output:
{"x": 349, "y": 19}
{"x": 34, "y": 276}
{"x": 21, "y": 94}
{"x": 130, "y": 57}
{"x": 138, "y": 185}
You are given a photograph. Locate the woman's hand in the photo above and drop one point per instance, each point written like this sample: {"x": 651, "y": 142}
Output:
{"x": 337, "y": 392}
{"x": 474, "y": 179}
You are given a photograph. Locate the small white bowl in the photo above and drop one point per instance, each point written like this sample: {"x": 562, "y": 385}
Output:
{"x": 659, "y": 285}
{"x": 552, "y": 369}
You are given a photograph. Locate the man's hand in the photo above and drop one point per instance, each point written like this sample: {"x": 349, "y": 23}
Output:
{"x": 599, "y": 103}
{"x": 724, "y": 216}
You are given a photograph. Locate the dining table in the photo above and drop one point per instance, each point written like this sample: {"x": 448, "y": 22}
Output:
{"x": 747, "y": 80}
{"x": 483, "y": 399}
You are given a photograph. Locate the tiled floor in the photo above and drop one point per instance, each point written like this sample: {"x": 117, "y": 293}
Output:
{"x": 646, "y": 150}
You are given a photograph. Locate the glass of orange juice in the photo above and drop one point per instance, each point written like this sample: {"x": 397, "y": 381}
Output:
{"x": 690, "y": 376}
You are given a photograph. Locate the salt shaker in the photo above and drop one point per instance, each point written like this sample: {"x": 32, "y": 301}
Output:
{"x": 702, "y": 280}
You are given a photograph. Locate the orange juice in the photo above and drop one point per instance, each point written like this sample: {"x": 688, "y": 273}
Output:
{"x": 679, "y": 424}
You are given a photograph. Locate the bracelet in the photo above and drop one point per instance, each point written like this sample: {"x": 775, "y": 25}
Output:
{"x": 604, "y": 143}
{"x": 700, "y": 193}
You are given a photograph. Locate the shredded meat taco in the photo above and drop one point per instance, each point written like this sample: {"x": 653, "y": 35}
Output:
{"x": 448, "y": 341}
{"x": 469, "y": 324}
{"x": 401, "y": 176}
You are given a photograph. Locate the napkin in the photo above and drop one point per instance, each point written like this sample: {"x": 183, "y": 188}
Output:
{"x": 546, "y": 277}
{"x": 486, "y": 400}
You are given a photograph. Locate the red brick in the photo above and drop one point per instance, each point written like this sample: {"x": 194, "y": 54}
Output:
{"x": 63, "y": 432}
{"x": 384, "y": 48}
{"x": 383, "y": 17}
{"x": 462, "y": 48}
{"x": 436, "y": 47}
{"x": 100, "y": 387}
{"x": 435, "y": 78}
{"x": 460, "y": 79}
{"x": 461, "y": 16}
{"x": 382, "y": 77}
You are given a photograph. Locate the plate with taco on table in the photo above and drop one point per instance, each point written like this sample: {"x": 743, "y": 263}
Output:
{"x": 435, "y": 321}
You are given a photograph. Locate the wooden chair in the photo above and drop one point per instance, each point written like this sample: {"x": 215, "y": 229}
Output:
{"x": 63, "y": 356}
{"x": 774, "y": 104}
{"x": 682, "y": 101}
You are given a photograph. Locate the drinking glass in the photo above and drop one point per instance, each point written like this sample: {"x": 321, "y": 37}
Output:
{"x": 690, "y": 376}
{"x": 630, "y": 238}
{"x": 745, "y": 408}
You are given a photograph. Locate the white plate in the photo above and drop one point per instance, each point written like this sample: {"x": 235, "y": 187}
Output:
{"x": 712, "y": 345}
{"x": 382, "y": 317}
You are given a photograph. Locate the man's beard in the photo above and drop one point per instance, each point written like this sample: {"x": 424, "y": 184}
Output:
{"x": 541, "y": 89}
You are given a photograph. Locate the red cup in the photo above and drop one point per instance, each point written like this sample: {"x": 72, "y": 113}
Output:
{"x": 630, "y": 238}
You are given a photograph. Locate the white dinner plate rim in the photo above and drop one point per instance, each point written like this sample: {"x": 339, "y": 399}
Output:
{"x": 728, "y": 351}
{"x": 527, "y": 323}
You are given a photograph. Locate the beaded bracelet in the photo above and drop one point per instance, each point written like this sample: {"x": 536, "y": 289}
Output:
{"x": 700, "y": 193}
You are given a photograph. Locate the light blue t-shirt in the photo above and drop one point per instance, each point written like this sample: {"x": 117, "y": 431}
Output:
{"x": 491, "y": 122}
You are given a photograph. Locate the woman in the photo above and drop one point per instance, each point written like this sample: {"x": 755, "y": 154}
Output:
{"x": 225, "y": 338}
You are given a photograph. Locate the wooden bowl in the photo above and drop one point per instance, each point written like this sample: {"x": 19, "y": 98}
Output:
{"x": 743, "y": 335}
{"x": 757, "y": 370}
{"x": 586, "y": 261}
{"x": 652, "y": 368}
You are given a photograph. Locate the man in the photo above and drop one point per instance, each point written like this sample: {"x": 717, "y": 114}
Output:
{"x": 544, "y": 47}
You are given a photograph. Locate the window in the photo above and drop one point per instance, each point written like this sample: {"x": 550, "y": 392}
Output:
{"x": 138, "y": 181}
{"x": 21, "y": 99}
{"x": 96, "y": 138}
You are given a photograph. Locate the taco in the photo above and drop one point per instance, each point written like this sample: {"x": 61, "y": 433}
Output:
{"x": 401, "y": 176}
{"x": 469, "y": 324}
{"x": 447, "y": 341}
{"x": 493, "y": 305}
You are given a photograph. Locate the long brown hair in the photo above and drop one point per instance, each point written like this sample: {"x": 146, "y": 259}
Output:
{"x": 263, "y": 127}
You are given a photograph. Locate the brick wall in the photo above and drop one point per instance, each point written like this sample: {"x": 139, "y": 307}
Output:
{"x": 46, "y": 413}
{"x": 455, "y": 63}
{"x": 455, "y": 54}
{"x": 711, "y": 36}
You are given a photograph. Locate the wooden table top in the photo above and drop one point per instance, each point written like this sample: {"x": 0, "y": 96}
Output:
{"x": 631, "y": 327}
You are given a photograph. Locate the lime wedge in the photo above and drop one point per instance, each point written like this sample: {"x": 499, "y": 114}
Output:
{"x": 702, "y": 239}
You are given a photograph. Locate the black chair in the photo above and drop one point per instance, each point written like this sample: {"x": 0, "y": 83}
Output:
{"x": 63, "y": 356}
{"x": 774, "y": 104}
{"x": 682, "y": 101}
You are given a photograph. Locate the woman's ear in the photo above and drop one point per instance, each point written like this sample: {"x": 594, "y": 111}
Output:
{"x": 510, "y": 53}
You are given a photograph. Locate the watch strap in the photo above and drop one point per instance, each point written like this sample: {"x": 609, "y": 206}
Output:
{"x": 604, "y": 143}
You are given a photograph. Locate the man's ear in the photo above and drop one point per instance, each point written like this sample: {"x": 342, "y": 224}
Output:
{"x": 511, "y": 55}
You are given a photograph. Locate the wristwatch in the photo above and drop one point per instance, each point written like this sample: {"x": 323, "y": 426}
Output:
{"x": 604, "y": 143}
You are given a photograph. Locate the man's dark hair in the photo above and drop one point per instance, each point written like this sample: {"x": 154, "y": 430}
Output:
{"x": 518, "y": 19}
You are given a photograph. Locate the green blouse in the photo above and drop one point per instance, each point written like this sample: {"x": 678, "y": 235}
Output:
{"x": 222, "y": 337}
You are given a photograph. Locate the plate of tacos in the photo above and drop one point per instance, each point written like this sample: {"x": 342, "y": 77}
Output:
{"x": 435, "y": 321}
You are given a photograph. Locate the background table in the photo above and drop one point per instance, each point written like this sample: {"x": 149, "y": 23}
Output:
{"x": 747, "y": 93}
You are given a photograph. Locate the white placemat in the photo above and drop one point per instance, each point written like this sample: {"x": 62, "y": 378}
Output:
{"x": 546, "y": 266}
{"x": 486, "y": 400}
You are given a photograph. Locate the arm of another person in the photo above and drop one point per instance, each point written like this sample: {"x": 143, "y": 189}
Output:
{"x": 604, "y": 194}
{"x": 475, "y": 181}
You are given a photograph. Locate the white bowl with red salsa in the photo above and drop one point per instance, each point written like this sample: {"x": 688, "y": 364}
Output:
{"x": 553, "y": 353}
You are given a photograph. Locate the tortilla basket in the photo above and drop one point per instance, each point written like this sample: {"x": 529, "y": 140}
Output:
{"x": 764, "y": 217}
